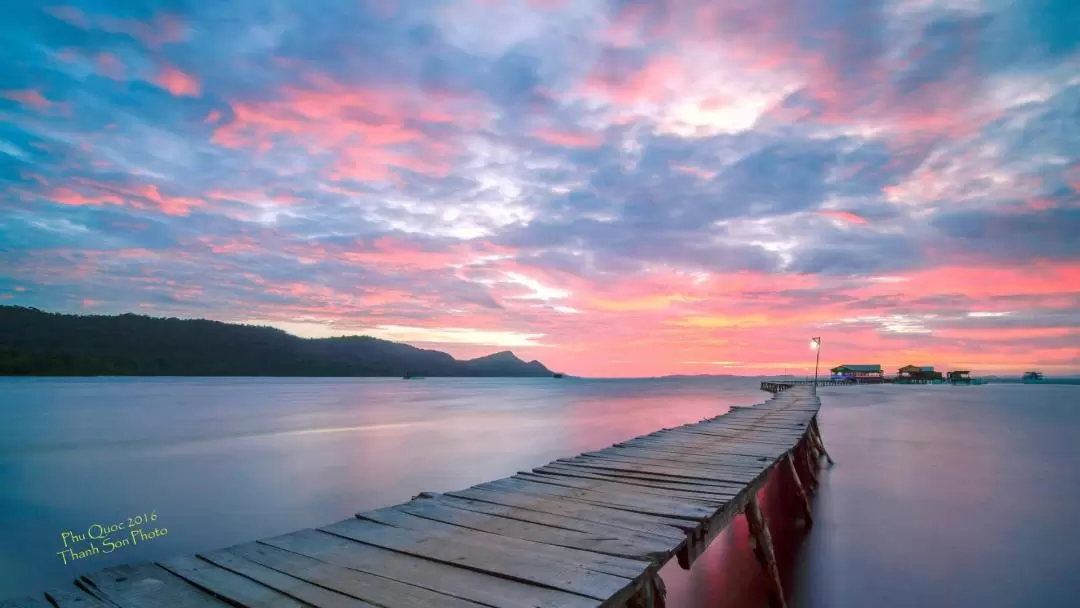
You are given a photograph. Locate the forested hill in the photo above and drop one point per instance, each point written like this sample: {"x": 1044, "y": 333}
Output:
{"x": 37, "y": 343}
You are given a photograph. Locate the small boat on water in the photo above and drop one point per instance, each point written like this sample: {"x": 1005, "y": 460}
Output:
{"x": 409, "y": 376}
{"x": 1032, "y": 377}
{"x": 558, "y": 375}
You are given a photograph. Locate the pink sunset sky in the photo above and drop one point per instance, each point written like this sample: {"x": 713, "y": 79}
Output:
{"x": 615, "y": 188}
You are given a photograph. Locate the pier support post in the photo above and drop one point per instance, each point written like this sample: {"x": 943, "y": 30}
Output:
{"x": 653, "y": 594}
{"x": 820, "y": 441}
{"x": 812, "y": 449}
{"x": 799, "y": 491}
{"x": 804, "y": 458}
{"x": 695, "y": 545}
{"x": 811, "y": 464}
{"x": 761, "y": 541}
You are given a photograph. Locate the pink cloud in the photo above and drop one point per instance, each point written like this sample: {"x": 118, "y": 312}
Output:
{"x": 638, "y": 23}
{"x": 252, "y": 196}
{"x": 139, "y": 196}
{"x": 177, "y": 82}
{"x": 27, "y": 97}
{"x": 169, "y": 205}
{"x": 844, "y": 216}
{"x": 232, "y": 246}
{"x": 1038, "y": 278}
{"x": 371, "y": 131}
{"x": 1008, "y": 333}
{"x": 109, "y": 65}
{"x": 67, "y": 196}
{"x": 692, "y": 170}
{"x": 403, "y": 254}
{"x": 655, "y": 81}
{"x": 715, "y": 102}
{"x": 569, "y": 138}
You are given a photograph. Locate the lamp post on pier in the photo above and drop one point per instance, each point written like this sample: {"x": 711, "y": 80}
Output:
{"x": 815, "y": 343}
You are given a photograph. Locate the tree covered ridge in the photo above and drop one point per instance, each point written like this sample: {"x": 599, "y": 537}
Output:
{"x": 38, "y": 343}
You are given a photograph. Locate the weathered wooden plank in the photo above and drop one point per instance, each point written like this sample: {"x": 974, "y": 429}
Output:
{"x": 492, "y": 542}
{"x": 711, "y": 456}
{"x": 653, "y": 456}
{"x": 141, "y": 585}
{"x": 671, "y": 505}
{"x": 758, "y": 436}
{"x": 751, "y": 437}
{"x": 74, "y": 597}
{"x": 734, "y": 425}
{"x": 432, "y": 575}
{"x": 625, "y": 545}
{"x": 713, "y": 501}
{"x": 657, "y": 524}
{"x": 226, "y": 584}
{"x": 752, "y": 468}
{"x": 601, "y": 530}
{"x": 738, "y": 419}
{"x": 717, "y": 487}
{"x": 637, "y": 504}
{"x": 521, "y": 567}
{"x": 25, "y": 602}
{"x": 663, "y": 447}
{"x": 680, "y": 474}
{"x": 288, "y": 585}
{"x": 555, "y": 505}
{"x": 381, "y": 591}
{"x": 692, "y": 468}
{"x": 645, "y": 484}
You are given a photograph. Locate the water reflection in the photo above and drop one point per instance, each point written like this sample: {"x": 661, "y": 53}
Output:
{"x": 228, "y": 460}
{"x": 941, "y": 496}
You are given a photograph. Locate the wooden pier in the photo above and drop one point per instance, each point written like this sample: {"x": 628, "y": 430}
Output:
{"x": 591, "y": 530}
{"x": 776, "y": 386}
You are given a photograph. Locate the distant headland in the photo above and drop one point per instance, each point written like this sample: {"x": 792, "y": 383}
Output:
{"x": 38, "y": 343}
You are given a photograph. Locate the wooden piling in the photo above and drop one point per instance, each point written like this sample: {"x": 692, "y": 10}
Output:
{"x": 815, "y": 430}
{"x": 800, "y": 493}
{"x": 803, "y": 460}
{"x": 763, "y": 550}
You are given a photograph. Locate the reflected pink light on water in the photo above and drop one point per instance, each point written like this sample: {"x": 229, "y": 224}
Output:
{"x": 728, "y": 574}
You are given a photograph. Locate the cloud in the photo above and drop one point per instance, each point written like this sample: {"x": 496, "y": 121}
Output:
{"x": 844, "y": 216}
{"x": 569, "y": 138}
{"x": 28, "y": 97}
{"x": 1025, "y": 235}
{"x": 175, "y": 81}
{"x": 612, "y": 187}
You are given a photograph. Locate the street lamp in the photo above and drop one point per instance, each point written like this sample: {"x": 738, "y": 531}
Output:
{"x": 815, "y": 343}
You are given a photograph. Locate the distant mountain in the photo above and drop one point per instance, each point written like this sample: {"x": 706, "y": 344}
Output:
{"x": 691, "y": 376}
{"x": 491, "y": 364}
{"x": 37, "y": 343}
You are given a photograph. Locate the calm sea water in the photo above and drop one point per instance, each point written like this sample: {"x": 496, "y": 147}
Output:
{"x": 942, "y": 496}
